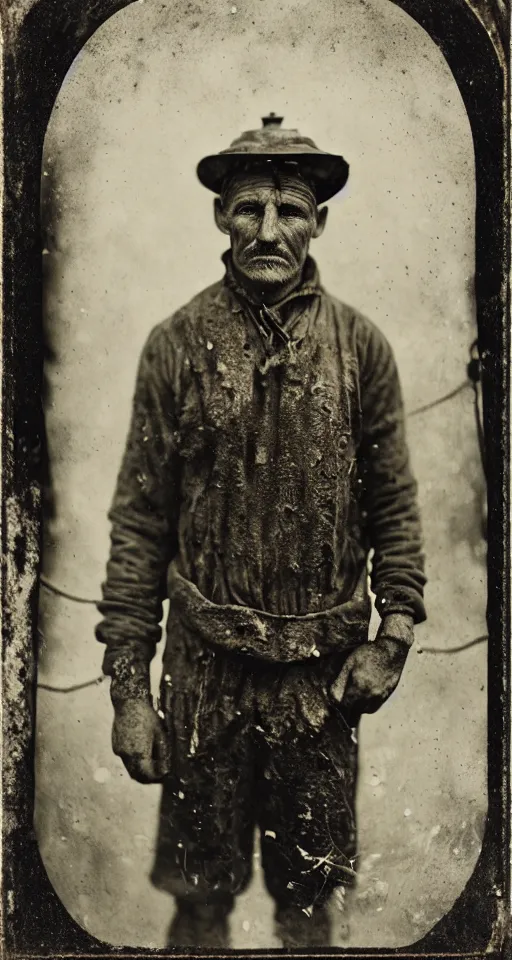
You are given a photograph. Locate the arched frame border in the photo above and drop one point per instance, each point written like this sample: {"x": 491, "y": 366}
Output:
{"x": 41, "y": 40}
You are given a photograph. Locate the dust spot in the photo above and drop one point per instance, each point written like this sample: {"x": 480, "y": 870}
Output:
{"x": 101, "y": 775}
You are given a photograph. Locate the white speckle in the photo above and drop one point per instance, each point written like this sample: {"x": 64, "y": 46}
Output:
{"x": 228, "y": 633}
{"x": 181, "y": 795}
{"x": 101, "y": 775}
{"x": 45, "y": 173}
{"x": 45, "y": 251}
{"x": 270, "y": 833}
{"x": 167, "y": 678}
{"x": 180, "y": 845}
{"x": 463, "y": 824}
{"x": 407, "y": 812}
{"x": 161, "y": 714}
{"x": 246, "y": 926}
{"x": 233, "y": 9}
{"x": 209, "y": 345}
{"x": 304, "y": 853}
{"x": 10, "y": 900}
{"x": 353, "y": 735}
{"x": 316, "y": 653}
{"x": 289, "y": 886}
{"x": 65, "y": 838}
{"x": 456, "y": 851}
{"x": 379, "y": 909}
{"x": 308, "y": 911}
{"x": 132, "y": 671}
{"x": 259, "y": 729}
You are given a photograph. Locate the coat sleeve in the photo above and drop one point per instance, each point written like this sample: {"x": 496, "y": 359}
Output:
{"x": 388, "y": 488}
{"x": 143, "y": 513}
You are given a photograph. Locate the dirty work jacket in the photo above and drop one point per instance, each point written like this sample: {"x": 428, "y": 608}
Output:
{"x": 266, "y": 456}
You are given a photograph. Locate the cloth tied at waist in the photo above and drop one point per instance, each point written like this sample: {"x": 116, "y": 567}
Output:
{"x": 286, "y": 638}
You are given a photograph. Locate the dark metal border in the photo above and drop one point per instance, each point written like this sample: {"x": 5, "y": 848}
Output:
{"x": 41, "y": 40}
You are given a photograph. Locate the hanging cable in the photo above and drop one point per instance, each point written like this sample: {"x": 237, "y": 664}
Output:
{"x": 436, "y": 403}
{"x": 63, "y": 593}
{"x": 462, "y": 646}
{"x": 73, "y": 687}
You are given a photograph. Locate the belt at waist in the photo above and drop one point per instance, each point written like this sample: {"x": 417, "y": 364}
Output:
{"x": 286, "y": 638}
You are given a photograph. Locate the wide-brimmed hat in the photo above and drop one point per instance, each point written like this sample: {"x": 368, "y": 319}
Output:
{"x": 327, "y": 172}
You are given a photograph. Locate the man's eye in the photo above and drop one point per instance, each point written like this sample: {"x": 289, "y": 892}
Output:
{"x": 247, "y": 209}
{"x": 291, "y": 212}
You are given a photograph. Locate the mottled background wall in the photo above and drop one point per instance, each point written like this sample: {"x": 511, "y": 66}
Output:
{"x": 130, "y": 238}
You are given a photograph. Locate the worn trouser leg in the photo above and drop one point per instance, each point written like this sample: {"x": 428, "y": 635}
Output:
{"x": 205, "y": 840}
{"x": 308, "y": 827}
{"x": 206, "y": 824}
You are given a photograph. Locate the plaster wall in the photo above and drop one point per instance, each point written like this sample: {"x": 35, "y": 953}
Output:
{"x": 130, "y": 238}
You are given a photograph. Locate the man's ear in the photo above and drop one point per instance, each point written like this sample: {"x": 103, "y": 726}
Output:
{"x": 321, "y": 220}
{"x": 220, "y": 216}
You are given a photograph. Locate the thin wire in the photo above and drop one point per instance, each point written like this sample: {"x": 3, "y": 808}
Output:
{"x": 435, "y": 403}
{"x": 63, "y": 593}
{"x": 463, "y": 646}
{"x": 73, "y": 687}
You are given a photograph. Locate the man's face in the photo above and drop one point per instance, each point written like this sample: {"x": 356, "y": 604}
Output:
{"x": 270, "y": 222}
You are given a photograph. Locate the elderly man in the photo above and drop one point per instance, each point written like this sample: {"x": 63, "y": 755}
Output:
{"x": 266, "y": 460}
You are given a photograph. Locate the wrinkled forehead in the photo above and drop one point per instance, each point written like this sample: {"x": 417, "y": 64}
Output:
{"x": 262, "y": 184}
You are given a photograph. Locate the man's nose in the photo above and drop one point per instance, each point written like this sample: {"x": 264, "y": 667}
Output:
{"x": 268, "y": 227}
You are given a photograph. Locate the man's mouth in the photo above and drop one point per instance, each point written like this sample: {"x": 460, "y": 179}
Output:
{"x": 269, "y": 258}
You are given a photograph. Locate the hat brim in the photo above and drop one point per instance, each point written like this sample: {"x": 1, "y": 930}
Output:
{"x": 327, "y": 172}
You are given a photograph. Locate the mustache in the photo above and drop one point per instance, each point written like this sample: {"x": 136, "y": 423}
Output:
{"x": 257, "y": 248}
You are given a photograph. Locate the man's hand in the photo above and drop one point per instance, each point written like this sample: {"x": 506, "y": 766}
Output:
{"x": 371, "y": 672}
{"x": 139, "y": 738}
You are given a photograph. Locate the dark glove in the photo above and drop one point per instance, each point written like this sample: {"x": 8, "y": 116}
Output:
{"x": 139, "y": 736}
{"x": 371, "y": 673}
{"x": 140, "y": 739}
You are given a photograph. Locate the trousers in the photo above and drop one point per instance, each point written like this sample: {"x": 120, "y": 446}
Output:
{"x": 300, "y": 793}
